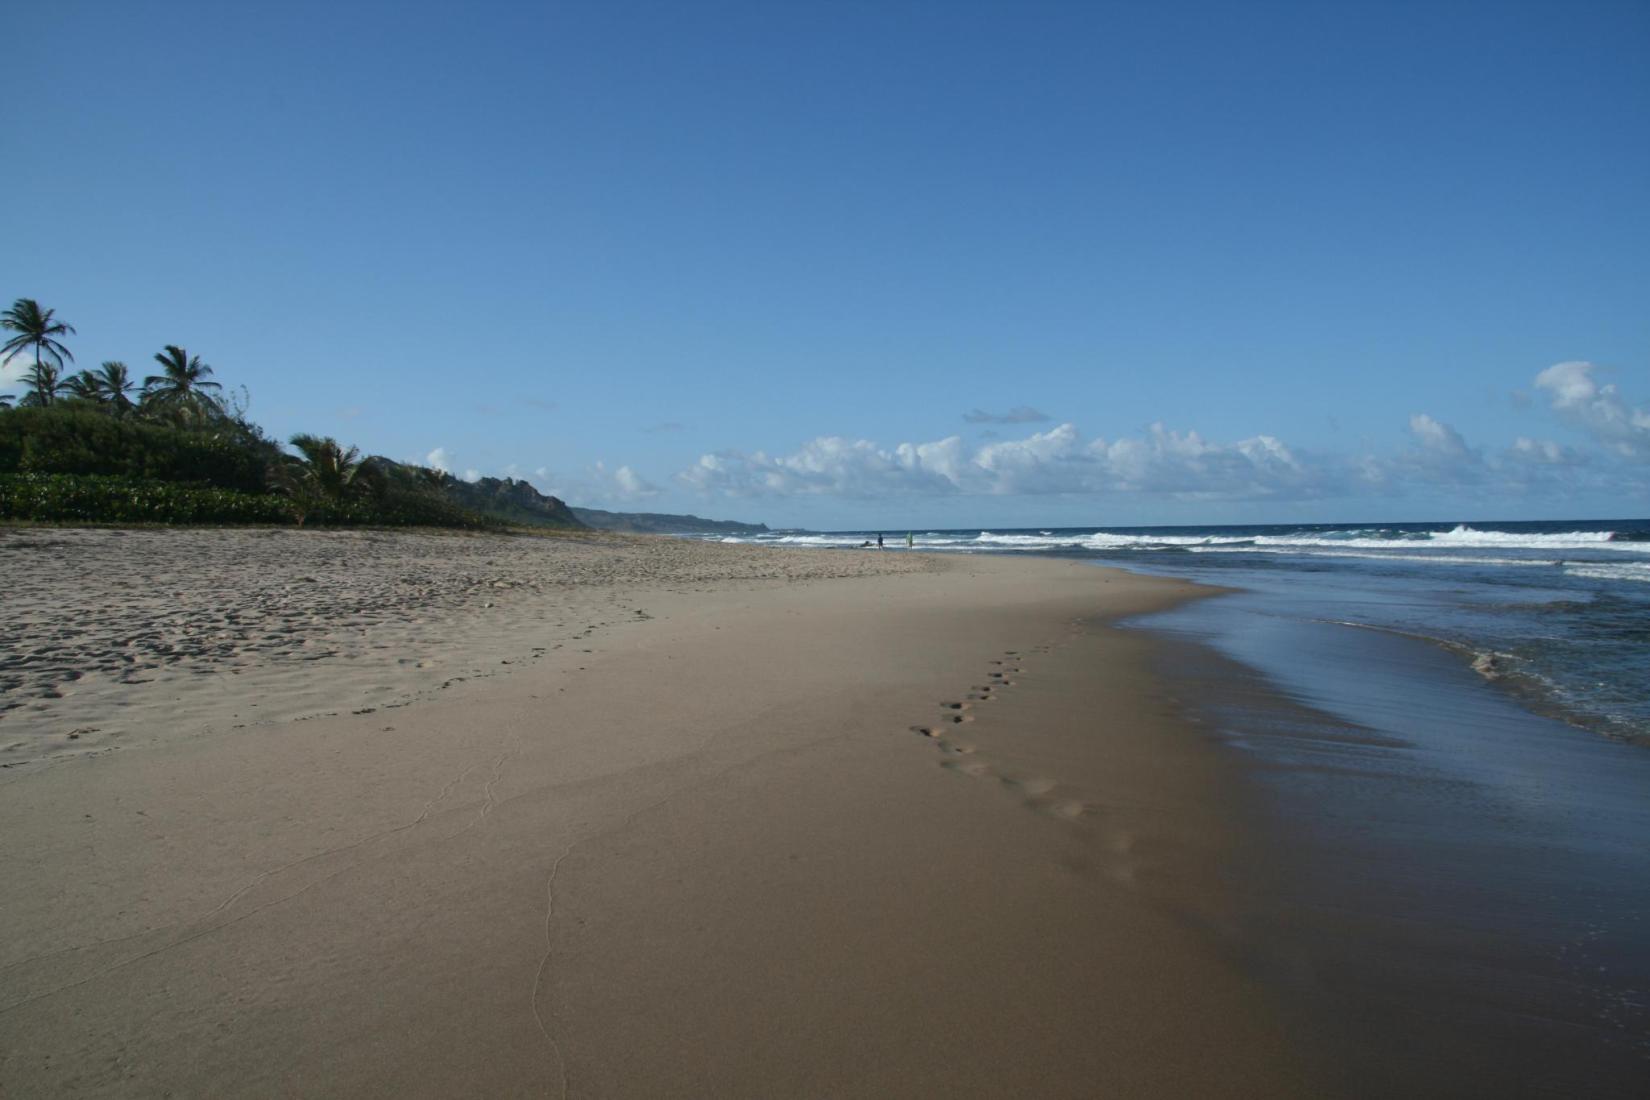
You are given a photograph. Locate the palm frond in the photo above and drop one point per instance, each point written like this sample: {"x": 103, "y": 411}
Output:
{"x": 325, "y": 467}
{"x": 35, "y": 328}
{"x": 83, "y": 385}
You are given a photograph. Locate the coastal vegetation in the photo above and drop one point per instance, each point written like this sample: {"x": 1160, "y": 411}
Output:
{"x": 94, "y": 446}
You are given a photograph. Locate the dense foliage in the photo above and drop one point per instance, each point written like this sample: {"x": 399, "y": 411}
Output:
{"x": 75, "y": 438}
{"x": 79, "y": 449}
{"x": 71, "y": 498}
{"x": 80, "y": 498}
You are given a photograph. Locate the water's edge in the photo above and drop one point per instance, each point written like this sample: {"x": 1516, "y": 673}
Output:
{"x": 1452, "y": 891}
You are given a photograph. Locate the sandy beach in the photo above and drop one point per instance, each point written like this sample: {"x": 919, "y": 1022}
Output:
{"x": 603, "y": 817}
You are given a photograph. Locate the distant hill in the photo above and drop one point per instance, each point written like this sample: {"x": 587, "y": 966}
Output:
{"x": 512, "y": 500}
{"x": 657, "y": 523}
{"x": 492, "y": 498}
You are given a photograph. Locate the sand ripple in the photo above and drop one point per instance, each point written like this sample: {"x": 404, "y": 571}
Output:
{"x": 114, "y": 633}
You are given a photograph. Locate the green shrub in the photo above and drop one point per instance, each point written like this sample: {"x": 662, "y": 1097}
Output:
{"x": 76, "y": 439}
{"x": 72, "y": 498}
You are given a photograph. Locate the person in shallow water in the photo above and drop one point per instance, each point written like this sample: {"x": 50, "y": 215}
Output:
{"x": 879, "y": 540}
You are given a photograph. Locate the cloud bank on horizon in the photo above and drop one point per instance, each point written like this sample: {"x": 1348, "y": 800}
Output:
{"x": 1610, "y": 457}
{"x": 1183, "y": 465}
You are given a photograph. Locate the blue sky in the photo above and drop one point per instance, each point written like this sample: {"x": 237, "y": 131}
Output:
{"x": 884, "y": 264}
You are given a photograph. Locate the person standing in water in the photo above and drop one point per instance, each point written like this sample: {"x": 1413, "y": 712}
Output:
{"x": 908, "y": 540}
{"x": 879, "y": 540}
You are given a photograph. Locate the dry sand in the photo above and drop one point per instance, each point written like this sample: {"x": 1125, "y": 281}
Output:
{"x": 729, "y": 822}
{"x": 108, "y": 634}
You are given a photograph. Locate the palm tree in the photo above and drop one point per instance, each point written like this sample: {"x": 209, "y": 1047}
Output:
{"x": 81, "y": 385}
{"x": 35, "y": 329}
{"x": 113, "y": 386}
{"x": 183, "y": 387}
{"x": 326, "y": 468}
{"x": 45, "y": 384}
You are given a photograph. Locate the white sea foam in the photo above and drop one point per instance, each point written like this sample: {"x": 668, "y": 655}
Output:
{"x": 1465, "y": 538}
{"x": 1373, "y": 543}
{"x": 1610, "y": 571}
{"x": 1369, "y": 539}
{"x": 818, "y": 540}
{"x": 1390, "y": 555}
{"x": 1106, "y": 540}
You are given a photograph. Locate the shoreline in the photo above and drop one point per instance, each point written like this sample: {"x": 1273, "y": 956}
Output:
{"x": 1532, "y": 692}
{"x": 1450, "y": 883}
{"x": 710, "y": 851}
{"x": 671, "y": 816}
{"x": 1557, "y": 605}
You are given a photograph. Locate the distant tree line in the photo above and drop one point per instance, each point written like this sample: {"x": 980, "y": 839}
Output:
{"x": 95, "y": 445}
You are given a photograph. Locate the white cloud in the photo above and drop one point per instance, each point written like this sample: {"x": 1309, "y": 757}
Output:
{"x": 1597, "y": 409}
{"x": 443, "y": 460}
{"x": 1159, "y": 462}
{"x": 1437, "y": 438}
{"x": 14, "y": 373}
{"x": 1164, "y": 463}
{"x": 1438, "y": 456}
{"x": 827, "y": 465}
{"x": 629, "y": 485}
{"x": 1187, "y": 465}
{"x": 1543, "y": 452}
{"x": 1052, "y": 462}
{"x": 597, "y": 485}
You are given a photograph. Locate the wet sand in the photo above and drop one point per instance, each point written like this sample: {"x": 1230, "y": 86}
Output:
{"x": 645, "y": 818}
{"x": 1450, "y": 894}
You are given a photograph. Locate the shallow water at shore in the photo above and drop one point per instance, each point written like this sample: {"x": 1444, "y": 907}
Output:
{"x": 1463, "y": 898}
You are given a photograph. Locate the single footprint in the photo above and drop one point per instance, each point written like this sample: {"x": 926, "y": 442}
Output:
{"x": 1032, "y": 788}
